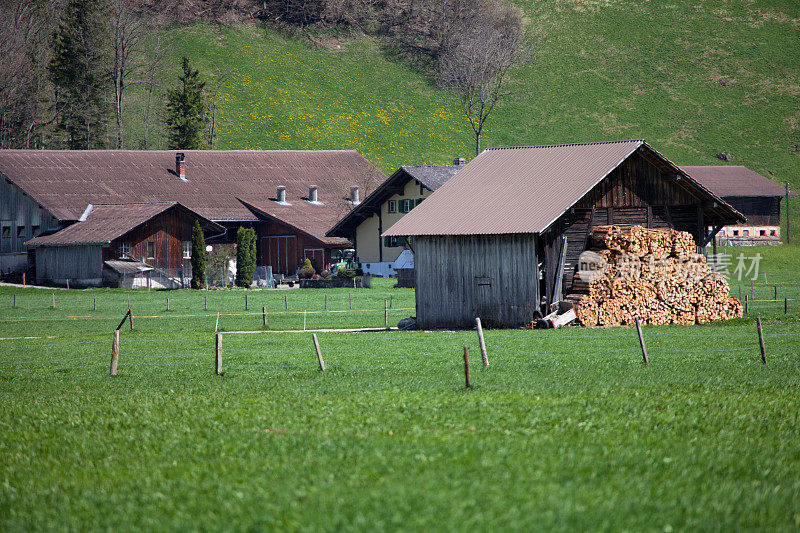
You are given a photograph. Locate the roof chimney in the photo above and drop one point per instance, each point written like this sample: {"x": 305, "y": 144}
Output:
{"x": 312, "y": 194}
{"x": 354, "y": 195}
{"x": 458, "y": 161}
{"x": 281, "y": 194}
{"x": 180, "y": 166}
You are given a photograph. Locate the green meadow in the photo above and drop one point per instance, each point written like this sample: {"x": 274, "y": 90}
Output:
{"x": 564, "y": 430}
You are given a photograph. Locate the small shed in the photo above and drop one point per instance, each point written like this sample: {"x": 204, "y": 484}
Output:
{"x": 501, "y": 239}
{"x": 158, "y": 235}
{"x": 404, "y": 265}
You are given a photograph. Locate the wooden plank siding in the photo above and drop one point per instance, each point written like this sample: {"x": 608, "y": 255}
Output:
{"x": 167, "y": 230}
{"x": 82, "y": 265}
{"x": 289, "y": 240}
{"x": 637, "y": 192}
{"x": 759, "y": 210}
{"x": 459, "y": 278}
{"x": 21, "y": 219}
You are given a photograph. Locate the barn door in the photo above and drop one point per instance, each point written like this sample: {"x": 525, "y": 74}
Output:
{"x": 483, "y": 299}
{"x": 317, "y": 257}
{"x": 280, "y": 252}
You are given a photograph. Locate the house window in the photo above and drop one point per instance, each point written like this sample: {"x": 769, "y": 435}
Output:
{"x": 20, "y": 232}
{"x": 393, "y": 206}
{"x": 762, "y": 232}
{"x": 186, "y": 248}
{"x": 6, "y": 231}
{"x": 736, "y": 233}
{"x": 124, "y": 249}
{"x": 746, "y": 233}
{"x": 406, "y": 205}
{"x": 773, "y": 233}
{"x": 393, "y": 242}
{"x": 151, "y": 250}
{"x": 35, "y": 231}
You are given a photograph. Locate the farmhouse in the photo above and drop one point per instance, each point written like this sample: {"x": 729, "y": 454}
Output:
{"x": 158, "y": 233}
{"x": 501, "y": 239}
{"x": 406, "y": 188}
{"x": 753, "y": 195}
{"x": 290, "y": 198}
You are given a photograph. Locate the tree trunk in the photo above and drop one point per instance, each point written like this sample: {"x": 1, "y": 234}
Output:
{"x": 477, "y": 143}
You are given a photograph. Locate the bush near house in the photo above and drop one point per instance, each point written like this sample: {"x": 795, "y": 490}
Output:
{"x": 198, "y": 257}
{"x": 307, "y": 270}
{"x": 245, "y": 256}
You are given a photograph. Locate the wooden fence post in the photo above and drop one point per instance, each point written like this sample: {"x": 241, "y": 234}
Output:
{"x": 286, "y": 302}
{"x": 130, "y": 319}
{"x": 94, "y": 303}
{"x": 745, "y": 304}
{"x": 319, "y": 352}
{"x": 481, "y": 342}
{"x": 114, "y": 354}
{"x": 641, "y": 341}
{"x": 467, "y": 381}
{"x": 218, "y": 355}
{"x": 15, "y": 300}
{"x": 304, "y": 319}
{"x": 385, "y": 314}
{"x": 390, "y": 302}
{"x": 54, "y": 300}
{"x": 761, "y": 341}
{"x": 167, "y": 303}
{"x": 350, "y": 297}
{"x": 245, "y": 302}
{"x": 264, "y": 315}
{"x": 776, "y": 293}
{"x": 786, "y": 306}
{"x": 326, "y": 302}
{"x": 23, "y": 279}
{"x": 206, "y": 304}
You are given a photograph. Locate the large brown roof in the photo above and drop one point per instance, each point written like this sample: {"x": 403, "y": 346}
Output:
{"x": 524, "y": 189}
{"x": 65, "y": 182}
{"x": 104, "y": 223}
{"x": 729, "y": 180}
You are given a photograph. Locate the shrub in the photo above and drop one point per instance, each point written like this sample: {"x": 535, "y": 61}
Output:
{"x": 198, "y": 257}
{"x": 346, "y": 273}
{"x": 325, "y": 274}
{"x": 245, "y": 256}
{"x": 307, "y": 271}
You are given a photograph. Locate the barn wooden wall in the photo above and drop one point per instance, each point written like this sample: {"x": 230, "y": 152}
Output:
{"x": 458, "y": 278}
{"x": 168, "y": 230}
{"x": 22, "y": 214}
{"x": 759, "y": 210}
{"x": 302, "y": 245}
{"x": 637, "y": 192}
{"x": 76, "y": 263}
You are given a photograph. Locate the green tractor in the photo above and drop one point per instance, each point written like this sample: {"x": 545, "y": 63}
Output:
{"x": 342, "y": 259}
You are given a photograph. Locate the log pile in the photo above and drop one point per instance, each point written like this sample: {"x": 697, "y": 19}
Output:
{"x": 652, "y": 274}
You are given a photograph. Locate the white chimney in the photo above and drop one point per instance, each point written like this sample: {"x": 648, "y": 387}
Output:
{"x": 281, "y": 194}
{"x": 312, "y": 194}
{"x": 180, "y": 165}
{"x": 354, "y": 195}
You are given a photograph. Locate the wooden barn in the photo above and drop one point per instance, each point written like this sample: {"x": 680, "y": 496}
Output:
{"x": 501, "y": 239}
{"x": 157, "y": 235}
{"x": 291, "y": 198}
{"x": 753, "y": 195}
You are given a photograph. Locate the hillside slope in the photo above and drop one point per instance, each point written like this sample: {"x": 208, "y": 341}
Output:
{"x": 694, "y": 79}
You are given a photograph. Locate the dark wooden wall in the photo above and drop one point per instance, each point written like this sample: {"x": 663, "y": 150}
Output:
{"x": 759, "y": 210}
{"x": 296, "y": 244}
{"x": 638, "y": 192}
{"x": 458, "y": 278}
{"x": 168, "y": 230}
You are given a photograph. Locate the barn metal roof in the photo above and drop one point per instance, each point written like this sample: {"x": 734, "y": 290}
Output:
{"x": 64, "y": 181}
{"x": 730, "y": 180}
{"x": 104, "y": 223}
{"x": 526, "y": 189}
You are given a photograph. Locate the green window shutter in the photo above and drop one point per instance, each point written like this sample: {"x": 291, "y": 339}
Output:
{"x": 419, "y": 200}
{"x": 386, "y": 241}
{"x": 401, "y": 241}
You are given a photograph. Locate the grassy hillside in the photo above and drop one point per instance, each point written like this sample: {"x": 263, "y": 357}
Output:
{"x": 692, "y": 78}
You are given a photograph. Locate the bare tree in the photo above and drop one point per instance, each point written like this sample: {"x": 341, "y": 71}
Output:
{"x": 221, "y": 78}
{"x": 475, "y": 62}
{"x": 129, "y": 31}
{"x": 155, "y": 63}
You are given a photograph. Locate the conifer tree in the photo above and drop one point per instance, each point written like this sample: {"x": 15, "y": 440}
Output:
{"x": 187, "y": 116}
{"x": 245, "y": 256}
{"x": 198, "y": 257}
{"x": 77, "y": 71}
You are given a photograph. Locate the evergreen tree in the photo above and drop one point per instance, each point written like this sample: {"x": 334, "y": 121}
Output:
{"x": 198, "y": 257}
{"x": 245, "y": 256}
{"x": 186, "y": 111}
{"x": 77, "y": 71}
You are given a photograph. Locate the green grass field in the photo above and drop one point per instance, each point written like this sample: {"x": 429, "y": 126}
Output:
{"x": 565, "y": 430}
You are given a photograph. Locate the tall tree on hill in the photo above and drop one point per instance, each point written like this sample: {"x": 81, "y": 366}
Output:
{"x": 199, "y": 258}
{"x": 187, "y": 115}
{"x": 78, "y": 73}
{"x": 475, "y": 62}
{"x": 128, "y": 34}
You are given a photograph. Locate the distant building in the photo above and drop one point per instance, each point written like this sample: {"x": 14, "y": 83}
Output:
{"x": 291, "y": 198}
{"x": 753, "y": 195}
{"x": 501, "y": 239}
{"x": 405, "y": 189}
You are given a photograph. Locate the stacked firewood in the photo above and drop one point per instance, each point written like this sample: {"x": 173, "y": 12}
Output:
{"x": 651, "y": 274}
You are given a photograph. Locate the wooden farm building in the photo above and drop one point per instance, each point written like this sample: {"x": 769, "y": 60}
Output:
{"x": 158, "y": 233}
{"x": 501, "y": 239}
{"x": 753, "y": 195}
{"x": 406, "y": 188}
{"x": 290, "y": 198}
